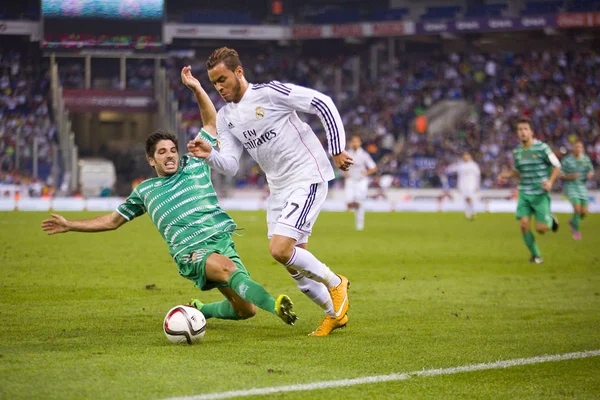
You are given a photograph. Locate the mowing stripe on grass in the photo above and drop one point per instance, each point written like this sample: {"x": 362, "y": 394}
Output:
{"x": 391, "y": 377}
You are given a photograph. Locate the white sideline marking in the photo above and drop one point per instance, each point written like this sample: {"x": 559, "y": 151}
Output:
{"x": 391, "y": 377}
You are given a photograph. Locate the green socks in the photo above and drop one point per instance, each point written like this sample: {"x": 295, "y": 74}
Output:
{"x": 221, "y": 310}
{"x": 251, "y": 291}
{"x": 248, "y": 290}
{"x": 575, "y": 221}
{"x": 530, "y": 243}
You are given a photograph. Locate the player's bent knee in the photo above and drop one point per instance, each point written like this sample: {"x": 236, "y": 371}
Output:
{"x": 524, "y": 224}
{"x": 246, "y": 312}
{"x": 281, "y": 251}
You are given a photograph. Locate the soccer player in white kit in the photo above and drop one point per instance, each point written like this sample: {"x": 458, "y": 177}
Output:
{"x": 263, "y": 120}
{"x": 356, "y": 184}
{"x": 469, "y": 180}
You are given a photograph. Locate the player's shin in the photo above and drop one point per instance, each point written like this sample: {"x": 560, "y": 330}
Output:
{"x": 251, "y": 291}
{"x": 311, "y": 267}
{"x": 529, "y": 240}
{"x": 220, "y": 310}
{"x": 315, "y": 291}
{"x": 575, "y": 221}
{"x": 360, "y": 217}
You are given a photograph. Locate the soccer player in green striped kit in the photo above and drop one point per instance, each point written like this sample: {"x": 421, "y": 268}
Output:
{"x": 537, "y": 168}
{"x": 576, "y": 170}
{"x": 182, "y": 204}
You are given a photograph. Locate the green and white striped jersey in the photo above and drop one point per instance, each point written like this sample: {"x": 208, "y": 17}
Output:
{"x": 183, "y": 207}
{"x": 576, "y": 188}
{"x": 534, "y": 165}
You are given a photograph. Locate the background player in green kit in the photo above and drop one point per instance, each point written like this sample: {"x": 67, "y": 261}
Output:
{"x": 537, "y": 168}
{"x": 576, "y": 170}
{"x": 182, "y": 204}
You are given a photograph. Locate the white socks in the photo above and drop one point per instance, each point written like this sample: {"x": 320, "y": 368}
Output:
{"x": 469, "y": 210}
{"x": 359, "y": 216}
{"x": 315, "y": 291}
{"x": 309, "y": 266}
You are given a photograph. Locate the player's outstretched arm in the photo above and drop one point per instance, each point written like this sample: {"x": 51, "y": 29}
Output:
{"x": 508, "y": 175}
{"x": 59, "y": 224}
{"x": 208, "y": 113}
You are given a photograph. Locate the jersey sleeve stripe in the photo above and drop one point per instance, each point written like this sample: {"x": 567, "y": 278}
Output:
{"x": 127, "y": 217}
{"x": 278, "y": 89}
{"x": 333, "y": 130}
{"x": 280, "y": 86}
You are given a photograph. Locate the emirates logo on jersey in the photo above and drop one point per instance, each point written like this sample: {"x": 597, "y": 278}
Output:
{"x": 260, "y": 113}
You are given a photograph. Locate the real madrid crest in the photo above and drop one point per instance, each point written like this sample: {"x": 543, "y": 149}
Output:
{"x": 260, "y": 113}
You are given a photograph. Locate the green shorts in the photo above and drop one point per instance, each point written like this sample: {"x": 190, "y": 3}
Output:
{"x": 538, "y": 204}
{"x": 191, "y": 264}
{"x": 575, "y": 201}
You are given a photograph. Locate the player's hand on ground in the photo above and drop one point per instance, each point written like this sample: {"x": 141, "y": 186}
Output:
{"x": 188, "y": 79}
{"x": 343, "y": 161}
{"x": 199, "y": 148}
{"x": 547, "y": 186}
{"x": 57, "y": 224}
{"x": 589, "y": 175}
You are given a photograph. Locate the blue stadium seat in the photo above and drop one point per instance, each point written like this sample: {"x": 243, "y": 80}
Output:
{"x": 542, "y": 7}
{"x": 485, "y": 10}
{"x": 337, "y": 16}
{"x": 389, "y": 14}
{"x": 583, "y": 6}
{"x": 220, "y": 17}
{"x": 441, "y": 13}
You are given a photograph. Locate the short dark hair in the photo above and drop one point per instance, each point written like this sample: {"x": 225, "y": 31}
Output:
{"x": 156, "y": 137}
{"x": 525, "y": 120}
{"x": 224, "y": 55}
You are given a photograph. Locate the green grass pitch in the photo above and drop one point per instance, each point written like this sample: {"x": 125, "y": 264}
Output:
{"x": 81, "y": 314}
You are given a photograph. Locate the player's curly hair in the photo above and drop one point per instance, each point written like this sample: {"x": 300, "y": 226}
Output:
{"x": 224, "y": 55}
{"x": 156, "y": 137}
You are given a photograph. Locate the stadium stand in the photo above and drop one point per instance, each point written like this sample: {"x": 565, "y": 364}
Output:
{"x": 25, "y": 119}
{"x": 559, "y": 92}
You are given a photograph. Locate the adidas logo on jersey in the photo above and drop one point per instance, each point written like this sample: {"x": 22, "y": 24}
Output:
{"x": 230, "y": 125}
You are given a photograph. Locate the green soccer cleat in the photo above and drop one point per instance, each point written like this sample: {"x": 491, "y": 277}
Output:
{"x": 284, "y": 308}
{"x": 196, "y": 303}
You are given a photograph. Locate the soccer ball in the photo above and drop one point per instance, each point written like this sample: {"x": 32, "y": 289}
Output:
{"x": 184, "y": 324}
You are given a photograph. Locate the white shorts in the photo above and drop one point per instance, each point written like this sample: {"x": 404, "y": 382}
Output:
{"x": 467, "y": 193}
{"x": 293, "y": 213}
{"x": 356, "y": 191}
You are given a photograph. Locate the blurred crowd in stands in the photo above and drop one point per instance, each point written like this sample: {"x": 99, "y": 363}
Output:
{"x": 559, "y": 92}
{"x": 25, "y": 118}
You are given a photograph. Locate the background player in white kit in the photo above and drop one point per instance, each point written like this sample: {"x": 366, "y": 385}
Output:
{"x": 469, "y": 180}
{"x": 262, "y": 119}
{"x": 356, "y": 185}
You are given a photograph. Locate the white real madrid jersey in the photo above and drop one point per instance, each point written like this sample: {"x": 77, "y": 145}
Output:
{"x": 362, "y": 162}
{"x": 265, "y": 123}
{"x": 468, "y": 174}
